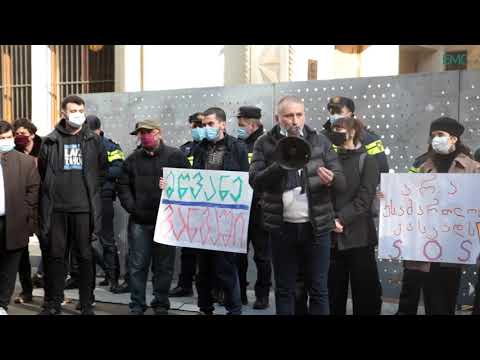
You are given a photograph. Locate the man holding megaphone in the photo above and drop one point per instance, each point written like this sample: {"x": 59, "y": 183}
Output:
{"x": 295, "y": 169}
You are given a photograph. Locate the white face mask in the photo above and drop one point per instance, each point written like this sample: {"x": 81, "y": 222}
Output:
{"x": 76, "y": 119}
{"x": 7, "y": 145}
{"x": 440, "y": 145}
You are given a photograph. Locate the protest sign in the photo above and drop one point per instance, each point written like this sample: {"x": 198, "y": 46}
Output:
{"x": 430, "y": 217}
{"x": 204, "y": 209}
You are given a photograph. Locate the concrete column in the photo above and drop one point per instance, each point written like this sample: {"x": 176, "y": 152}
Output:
{"x": 127, "y": 68}
{"x": 183, "y": 66}
{"x": 323, "y": 54}
{"x": 237, "y": 64}
{"x": 41, "y": 83}
{"x": 380, "y": 60}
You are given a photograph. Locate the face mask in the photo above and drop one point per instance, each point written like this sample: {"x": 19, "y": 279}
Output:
{"x": 148, "y": 140}
{"x": 242, "y": 133}
{"x": 76, "y": 120}
{"x": 440, "y": 145}
{"x": 212, "y": 133}
{"x": 338, "y": 138}
{"x": 7, "y": 145}
{"x": 198, "y": 134}
{"x": 21, "y": 142}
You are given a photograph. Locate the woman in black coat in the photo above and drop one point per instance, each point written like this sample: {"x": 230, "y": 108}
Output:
{"x": 354, "y": 239}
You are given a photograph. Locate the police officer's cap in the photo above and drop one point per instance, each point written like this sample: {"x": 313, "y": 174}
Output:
{"x": 340, "y": 102}
{"x": 93, "y": 122}
{"x": 197, "y": 117}
{"x": 249, "y": 112}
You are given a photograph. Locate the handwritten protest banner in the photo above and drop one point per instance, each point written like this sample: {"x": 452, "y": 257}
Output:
{"x": 204, "y": 209}
{"x": 430, "y": 217}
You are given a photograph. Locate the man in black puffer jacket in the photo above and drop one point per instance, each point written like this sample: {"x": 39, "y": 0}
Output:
{"x": 297, "y": 207}
{"x": 139, "y": 193}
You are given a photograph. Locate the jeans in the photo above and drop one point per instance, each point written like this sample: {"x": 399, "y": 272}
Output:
{"x": 262, "y": 256}
{"x": 143, "y": 251}
{"x": 217, "y": 267}
{"x": 293, "y": 247}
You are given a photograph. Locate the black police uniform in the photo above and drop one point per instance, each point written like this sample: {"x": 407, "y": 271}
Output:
{"x": 259, "y": 238}
{"x": 188, "y": 257}
{"x": 107, "y": 255}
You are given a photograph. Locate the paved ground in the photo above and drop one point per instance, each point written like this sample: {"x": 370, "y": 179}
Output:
{"x": 112, "y": 304}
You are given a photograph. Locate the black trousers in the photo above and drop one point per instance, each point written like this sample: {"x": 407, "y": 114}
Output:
{"x": 357, "y": 267}
{"x": 413, "y": 281}
{"x": 188, "y": 267}
{"x": 441, "y": 289}
{"x": 262, "y": 256}
{"x": 9, "y": 261}
{"x": 218, "y": 268}
{"x": 476, "y": 303}
{"x": 25, "y": 272}
{"x": 107, "y": 238}
{"x": 68, "y": 229}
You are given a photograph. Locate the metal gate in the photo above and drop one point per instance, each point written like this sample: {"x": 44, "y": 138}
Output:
{"x": 398, "y": 108}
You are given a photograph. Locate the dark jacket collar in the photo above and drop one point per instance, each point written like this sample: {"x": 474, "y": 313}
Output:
{"x": 55, "y": 135}
{"x": 255, "y": 135}
{"x": 159, "y": 150}
{"x": 228, "y": 141}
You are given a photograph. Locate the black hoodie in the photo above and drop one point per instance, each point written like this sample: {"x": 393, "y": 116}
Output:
{"x": 70, "y": 194}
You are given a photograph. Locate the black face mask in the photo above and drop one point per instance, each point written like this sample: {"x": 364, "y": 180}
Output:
{"x": 338, "y": 139}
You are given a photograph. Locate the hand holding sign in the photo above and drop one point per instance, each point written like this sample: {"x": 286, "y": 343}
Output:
{"x": 162, "y": 184}
{"x": 430, "y": 217}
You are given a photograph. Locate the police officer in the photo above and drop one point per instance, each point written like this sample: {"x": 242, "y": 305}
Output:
{"x": 188, "y": 258}
{"x": 339, "y": 107}
{"x": 250, "y": 128}
{"x": 115, "y": 158}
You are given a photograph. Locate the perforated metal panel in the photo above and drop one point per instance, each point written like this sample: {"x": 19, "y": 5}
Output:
{"x": 120, "y": 111}
{"x": 399, "y": 109}
{"x": 470, "y": 117}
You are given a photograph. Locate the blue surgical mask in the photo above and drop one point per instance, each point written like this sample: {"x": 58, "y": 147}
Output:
{"x": 7, "y": 145}
{"x": 211, "y": 133}
{"x": 242, "y": 133}
{"x": 198, "y": 134}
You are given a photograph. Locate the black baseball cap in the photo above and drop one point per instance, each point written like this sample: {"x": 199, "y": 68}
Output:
{"x": 340, "y": 102}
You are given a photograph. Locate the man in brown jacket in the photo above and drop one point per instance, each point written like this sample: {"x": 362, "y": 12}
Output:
{"x": 19, "y": 185}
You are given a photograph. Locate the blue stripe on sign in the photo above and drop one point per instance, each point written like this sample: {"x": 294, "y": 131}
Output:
{"x": 205, "y": 204}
